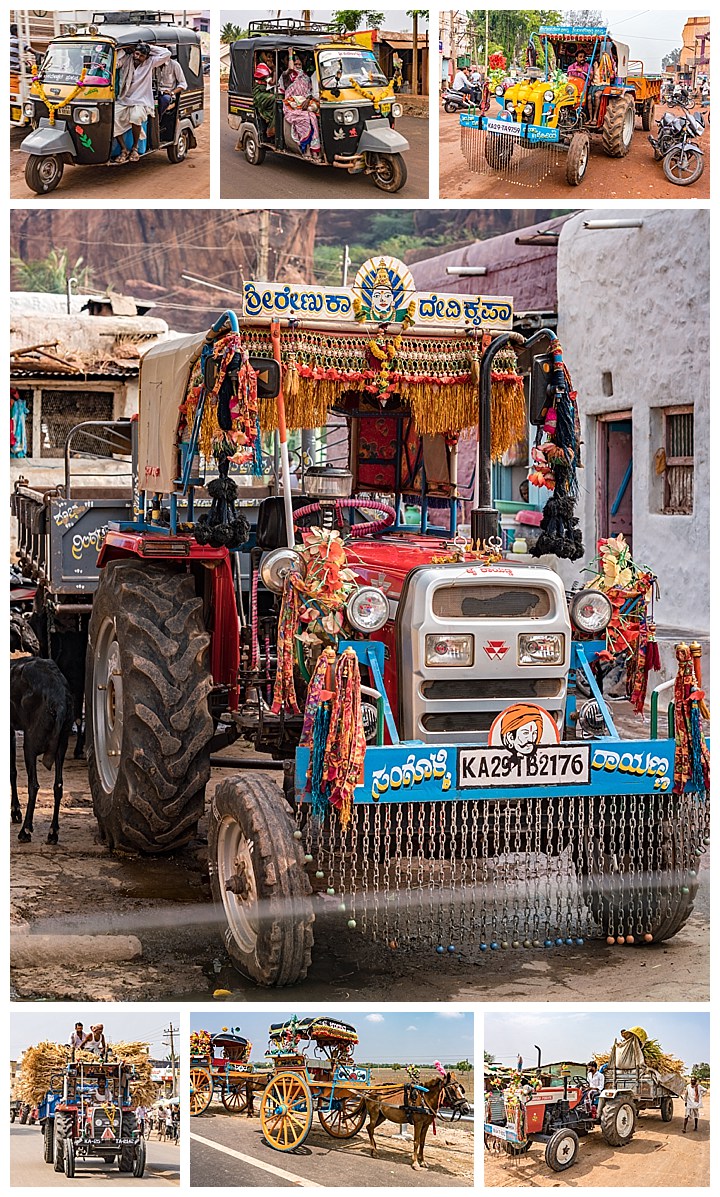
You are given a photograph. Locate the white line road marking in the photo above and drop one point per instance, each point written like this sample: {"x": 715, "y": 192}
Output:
{"x": 249, "y": 1159}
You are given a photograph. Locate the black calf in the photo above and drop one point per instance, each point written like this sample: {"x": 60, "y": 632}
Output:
{"x": 41, "y": 707}
{"x": 66, "y": 645}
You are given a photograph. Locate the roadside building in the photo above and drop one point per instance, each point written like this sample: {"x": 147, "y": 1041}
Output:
{"x": 695, "y": 53}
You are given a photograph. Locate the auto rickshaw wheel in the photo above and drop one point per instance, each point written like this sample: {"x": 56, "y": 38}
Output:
{"x": 253, "y": 151}
{"x": 577, "y": 159}
{"x": 43, "y": 174}
{"x": 390, "y": 172}
{"x": 178, "y": 151}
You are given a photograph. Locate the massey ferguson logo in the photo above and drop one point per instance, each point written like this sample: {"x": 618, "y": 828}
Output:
{"x": 496, "y": 649}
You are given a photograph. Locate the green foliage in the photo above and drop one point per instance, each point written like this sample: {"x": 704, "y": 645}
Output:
{"x": 462, "y": 1066}
{"x": 350, "y": 19}
{"x": 422, "y": 13}
{"x": 50, "y": 273}
{"x": 508, "y": 29}
{"x": 489, "y": 1058}
{"x": 231, "y": 33}
{"x": 701, "y": 1071}
{"x": 672, "y": 57}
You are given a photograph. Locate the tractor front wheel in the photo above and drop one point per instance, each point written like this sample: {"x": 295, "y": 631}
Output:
{"x": 63, "y": 1133}
{"x": 126, "y": 1158}
{"x": 618, "y": 126}
{"x": 148, "y": 722}
{"x": 561, "y": 1150}
{"x": 258, "y": 881}
{"x": 617, "y": 1122}
{"x": 69, "y": 1159}
{"x": 140, "y": 1157}
{"x": 49, "y": 1140}
{"x": 578, "y": 156}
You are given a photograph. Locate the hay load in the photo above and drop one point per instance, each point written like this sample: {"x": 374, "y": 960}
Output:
{"x": 654, "y": 1054}
{"x": 47, "y": 1060}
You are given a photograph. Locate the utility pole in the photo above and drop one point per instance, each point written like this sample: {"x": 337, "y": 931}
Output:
{"x": 345, "y": 264}
{"x": 487, "y": 39}
{"x": 263, "y": 253}
{"x": 172, "y": 1031}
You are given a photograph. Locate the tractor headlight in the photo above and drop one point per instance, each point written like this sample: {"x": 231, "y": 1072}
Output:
{"x": 509, "y": 106}
{"x": 449, "y": 650}
{"x": 86, "y": 116}
{"x": 397, "y": 110}
{"x": 541, "y": 648}
{"x": 591, "y": 611}
{"x": 529, "y": 111}
{"x": 548, "y": 96}
{"x": 368, "y": 609}
{"x": 499, "y": 91}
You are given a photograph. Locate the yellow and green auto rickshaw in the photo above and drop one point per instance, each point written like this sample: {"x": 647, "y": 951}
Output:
{"x": 72, "y": 98}
{"x": 352, "y": 103}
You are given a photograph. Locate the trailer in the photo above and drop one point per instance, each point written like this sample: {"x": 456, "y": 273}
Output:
{"x": 647, "y": 90}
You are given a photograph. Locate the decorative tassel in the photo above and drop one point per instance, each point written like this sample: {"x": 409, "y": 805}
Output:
{"x": 697, "y": 740}
{"x": 508, "y": 421}
{"x": 692, "y": 757}
{"x": 284, "y": 697}
{"x": 696, "y": 653}
{"x": 653, "y": 652}
{"x": 318, "y": 797}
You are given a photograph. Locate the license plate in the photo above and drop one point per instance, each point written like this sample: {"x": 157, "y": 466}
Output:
{"x": 384, "y": 108}
{"x": 509, "y": 128}
{"x": 15, "y": 113}
{"x": 65, "y": 110}
{"x": 549, "y": 765}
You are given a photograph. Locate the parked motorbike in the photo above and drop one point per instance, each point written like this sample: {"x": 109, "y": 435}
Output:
{"x": 683, "y": 96}
{"x": 459, "y": 101}
{"x": 683, "y": 162}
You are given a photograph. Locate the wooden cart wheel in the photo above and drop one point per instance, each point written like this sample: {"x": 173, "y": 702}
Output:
{"x": 286, "y": 1110}
{"x": 235, "y": 1099}
{"x": 345, "y": 1117}
{"x": 201, "y": 1090}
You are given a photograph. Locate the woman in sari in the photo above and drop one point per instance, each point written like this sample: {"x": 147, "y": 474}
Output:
{"x": 297, "y": 111}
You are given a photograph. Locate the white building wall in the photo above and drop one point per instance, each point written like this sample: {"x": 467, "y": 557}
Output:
{"x": 635, "y": 302}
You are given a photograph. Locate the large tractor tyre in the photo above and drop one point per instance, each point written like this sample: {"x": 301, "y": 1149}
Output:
{"x": 69, "y": 1159}
{"x": 648, "y": 115}
{"x": 499, "y": 149}
{"x": 147, "y": 716}
{"x": 126, "y": 1158}
{"x": 258, "y": 881}
{"x": 578, "y": 156}
{"x": 617, "y": 1122}
{"x": 139, "y": 1159}
{"x": 63, "y": 1135}
{"x": 24, "y": 1114}
{"x": 49, "y": 1140}
{"x": 618, "y": 126}
{"x": 561, "y": 1150}
{"x": 390, "y": 173}
{"x": 667, "y": 1109}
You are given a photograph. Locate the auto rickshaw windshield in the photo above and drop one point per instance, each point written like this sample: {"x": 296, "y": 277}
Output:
{"x": 64, "y": 61}
{"x": 338, "y": 68}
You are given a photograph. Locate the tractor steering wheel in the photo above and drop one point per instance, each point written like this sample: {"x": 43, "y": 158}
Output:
{"x": 368, "y": 529}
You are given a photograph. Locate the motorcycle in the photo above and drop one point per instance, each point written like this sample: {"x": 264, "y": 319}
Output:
{"x": 682, "y": 96}
{"x": 683, "y": 163}
{"x": 460, "y": 101}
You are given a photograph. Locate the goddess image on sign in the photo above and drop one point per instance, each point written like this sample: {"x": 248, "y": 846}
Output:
{"x": 382, "y": 292}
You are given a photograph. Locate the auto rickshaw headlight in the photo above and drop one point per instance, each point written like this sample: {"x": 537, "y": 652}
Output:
{"x": 499, "y": 91}
{"x": 86, "y": 116}
{"x": 29, "y": 108}
{"x": 397, "y": 110}
{"x": 346, "y": 116}
{"x": 529, "y": 110}
{"x": 548, "y": 95}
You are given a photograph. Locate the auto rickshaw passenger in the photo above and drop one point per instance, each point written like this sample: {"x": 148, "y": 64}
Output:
{"x": 297, "y": 111}
{"x": 135, "y": 101}
{"x": 264, "y": 91}
{"x": 171, "y": 82}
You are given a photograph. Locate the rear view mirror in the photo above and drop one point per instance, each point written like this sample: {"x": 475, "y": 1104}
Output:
{"x": 541, "y": 390}
{"x": 268, "y": 372}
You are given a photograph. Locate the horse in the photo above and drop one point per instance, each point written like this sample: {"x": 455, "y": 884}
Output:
{"x": 418, "y": 1105}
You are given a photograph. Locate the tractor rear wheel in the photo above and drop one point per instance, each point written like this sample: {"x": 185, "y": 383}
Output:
{"x": 63, "y": 1134}
{"x": 258, "y": 881}
{"x": 618, "y": 126}
{"x": 148, "y": 722}
{"x": 49, "y": 1140}
{"x": 617, "y": 1122}
{"x": 648, "y": 114}
{"x": 667, "y": 1109}
{"x": 561, "y": 1150}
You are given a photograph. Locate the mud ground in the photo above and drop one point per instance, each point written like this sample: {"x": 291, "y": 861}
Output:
{"x": 637, "y": 176}
{"x": 659, "y": 1156}
{"x": 78, "y": 886}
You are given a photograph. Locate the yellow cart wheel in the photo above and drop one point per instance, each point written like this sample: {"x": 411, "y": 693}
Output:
{"x": 201, "y": 1090}
{"x": 345, "y": 1118}
{"x": 235, "y": 1099}
{"x": 286, "y": 1110}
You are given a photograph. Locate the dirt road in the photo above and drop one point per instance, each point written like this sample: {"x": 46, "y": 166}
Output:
{"x": 152, "y": 178}
{"x": 281, "y": 178}
{"x": 78, "y": 886}
{"x": 659, "y": 1156}
{"x": 230, "y": 1150}
{"x": 638, "y": 176}
{"x": 27, "y": 1168}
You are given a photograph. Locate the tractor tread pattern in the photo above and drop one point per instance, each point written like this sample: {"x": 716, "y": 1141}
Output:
{"x": 612, "y": 130}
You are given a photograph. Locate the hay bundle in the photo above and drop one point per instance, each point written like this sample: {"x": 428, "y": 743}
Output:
{"x": 47, "y": 1060}
{"x": 654, "y": 1055}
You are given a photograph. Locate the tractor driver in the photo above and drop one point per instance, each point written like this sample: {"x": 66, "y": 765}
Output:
{"x": 579, "y": 70}
{"x": 596, "y": 1083}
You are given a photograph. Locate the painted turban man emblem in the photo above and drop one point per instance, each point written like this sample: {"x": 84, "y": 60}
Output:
{"x": 521, "y": 729}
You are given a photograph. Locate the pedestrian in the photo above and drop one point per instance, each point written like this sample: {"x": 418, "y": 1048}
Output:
{"x": 693, "y": 1102}
{"x": 519, "y": 1062}
{"x": 135, "y": 101}
{"x": 168, "y": 1123}
{"x": 140, "y": 1119}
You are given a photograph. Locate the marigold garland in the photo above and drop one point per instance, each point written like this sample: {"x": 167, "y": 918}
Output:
{"x": 52, "y": 108}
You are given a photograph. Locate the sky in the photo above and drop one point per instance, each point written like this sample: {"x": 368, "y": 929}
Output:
{"x": 576, "y": 1034}
{"x": 407, "y": 1038}
{"x": 651, "y": 33}
{"x": 127, "y": 1026}
{"x": 395, "y": 19}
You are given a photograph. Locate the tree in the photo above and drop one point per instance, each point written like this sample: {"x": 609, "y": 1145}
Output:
{"x": 463, "y": 1066}
{"x": 415, "y": 13}
{"x": 50, "y": 273}
{"x": 672, "y": 57}
{"x": 508, "y": 29}
{"x": 350, "y": 19}
{"x": 231, "y": 33}
{"x": 701, "y": 1071}
{"x": 489, "y": 1058}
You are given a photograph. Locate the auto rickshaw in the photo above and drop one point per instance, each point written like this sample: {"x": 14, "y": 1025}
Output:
{"x": 353, "y": 100}
{"x": 72, "y": 97}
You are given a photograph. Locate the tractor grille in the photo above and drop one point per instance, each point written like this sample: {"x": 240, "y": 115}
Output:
{"x": 106, "y": 1122}
{"x": 491, "y": 602}
{"x": 511, "y": 689}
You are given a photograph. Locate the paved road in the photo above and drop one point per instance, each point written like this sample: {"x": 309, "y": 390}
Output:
{"x": 231, "y": 1150}
{"x": 154, "y": 177}
{"x": 638, "y": 176}
{"x": 27, "y": 1167}
{"x": 283, "y": 178}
